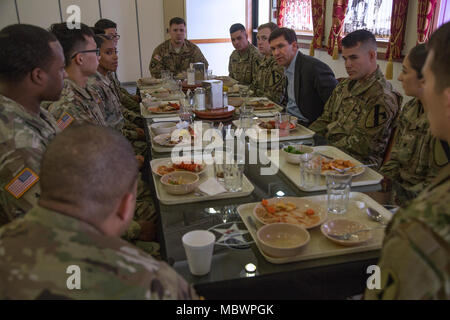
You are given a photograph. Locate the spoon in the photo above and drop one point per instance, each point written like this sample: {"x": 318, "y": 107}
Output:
{"x": 375, "y": 215}
{"x": 351, "y": 235}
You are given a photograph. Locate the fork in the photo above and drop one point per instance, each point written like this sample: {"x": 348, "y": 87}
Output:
{"x": 346, "y": 169}
{"x": 351, "y": 235}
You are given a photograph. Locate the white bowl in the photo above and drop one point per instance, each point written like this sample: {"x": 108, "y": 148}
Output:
{"x": 341, "y": 226}
{"x": 295, "y": 158}
{"x": 282, "y": 239}
{"x": 163, "y": 127}
{"x": 191, "y": 179}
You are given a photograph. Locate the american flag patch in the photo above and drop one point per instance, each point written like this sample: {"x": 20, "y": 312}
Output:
{"x": 64, "y": 121}
{"x": 22, "y": 182}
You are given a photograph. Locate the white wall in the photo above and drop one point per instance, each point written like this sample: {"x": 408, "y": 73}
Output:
{"x": 136, "y": 43}
{"x": 8, "y": 13}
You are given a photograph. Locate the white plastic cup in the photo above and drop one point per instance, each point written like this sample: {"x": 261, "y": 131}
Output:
{"x": 199, "y": 247}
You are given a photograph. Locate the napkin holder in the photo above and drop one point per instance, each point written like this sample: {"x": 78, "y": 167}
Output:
{"x": 213, "y": 94}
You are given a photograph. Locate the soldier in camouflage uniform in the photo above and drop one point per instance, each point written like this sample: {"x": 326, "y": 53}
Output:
{"x": 128, "y": 100}
{"x": 269, "y": 79}
{"x": 85, "y": 235}
{"x": 245, "y": 57}
{"x": 415, "y": 256}
{"x": 177, "y": 53}
{"x": 25, "y": 128}
{"x": 78, "y": 101}
{"x": 106, "y": 89}
{"x": 359, "y": 115}
{"x": 417, "y": 156}
{"x": 82, "y": 105}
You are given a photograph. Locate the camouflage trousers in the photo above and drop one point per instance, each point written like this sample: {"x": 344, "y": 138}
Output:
{"x": 145, "y": 211}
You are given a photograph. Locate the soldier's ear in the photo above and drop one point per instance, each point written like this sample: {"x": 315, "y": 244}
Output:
{"x": 38, "y": 76}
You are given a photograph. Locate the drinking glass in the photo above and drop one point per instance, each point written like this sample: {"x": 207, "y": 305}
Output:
{"x": 246, "y": 117}
{"x": 338, "y": 190}
{"x": 233, "y": 171}
{"x": 282, "y": 123}
{"x": 310, "y": 170}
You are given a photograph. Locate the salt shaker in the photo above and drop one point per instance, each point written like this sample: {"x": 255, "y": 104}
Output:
{"x": 225, "y": 99}
{"x": 200, "y": 98}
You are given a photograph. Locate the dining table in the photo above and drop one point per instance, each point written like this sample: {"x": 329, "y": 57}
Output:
{"x": 240, "y": 270}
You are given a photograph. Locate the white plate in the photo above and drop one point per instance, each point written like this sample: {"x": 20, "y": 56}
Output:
{"x": 341, "y": 226}
{"x": 301, "y": 204}
{"x": 156, "y": 163}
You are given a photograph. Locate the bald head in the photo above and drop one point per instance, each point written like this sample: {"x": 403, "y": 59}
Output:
{"x": 89, "y": 168}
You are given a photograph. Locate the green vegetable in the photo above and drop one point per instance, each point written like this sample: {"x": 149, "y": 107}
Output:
{"x": 291, "y": 149}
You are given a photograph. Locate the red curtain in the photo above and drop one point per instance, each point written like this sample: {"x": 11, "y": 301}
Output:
{"x": 318, "y": 15}
{"x": 426, "y": 9}
{"x": 398, "y": 26}
{"x": 281, "y": 10}
{"x": 339, "y": 9}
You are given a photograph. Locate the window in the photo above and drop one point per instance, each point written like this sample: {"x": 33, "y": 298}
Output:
{"x": 297, "y": 15}
{"x": 372, "y": 15}
{"x": 443, "y": 15}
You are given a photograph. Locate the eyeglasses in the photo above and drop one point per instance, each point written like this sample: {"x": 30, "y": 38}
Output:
{"x": 115, "y": 36}
{"x": 97, "y": 52}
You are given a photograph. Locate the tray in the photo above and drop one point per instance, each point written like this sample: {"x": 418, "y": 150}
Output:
{"x": 319, "y": 246}
{"x": 292, "y": 171}
{"x": 169, "y": 199}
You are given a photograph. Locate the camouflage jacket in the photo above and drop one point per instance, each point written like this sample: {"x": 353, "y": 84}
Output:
{"x": 416, "y": 156}
{"x": 269, "y": 79}
{"x": 126, "y": 99}
{"x": 165, "y": 57}
{"x": 23, "y": 140}
{"x": 415, "y": 258}
{"x": 113, "y": 107}
{"x": 111, "y": 101}
{"x": 358, "y": 117}
{"x": 242, "y": 65}
{"x": 81, "y": 105}
{"x": 109, "y": 267}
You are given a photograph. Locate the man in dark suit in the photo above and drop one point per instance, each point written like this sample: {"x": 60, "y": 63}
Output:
{"x": 310, "y": 81}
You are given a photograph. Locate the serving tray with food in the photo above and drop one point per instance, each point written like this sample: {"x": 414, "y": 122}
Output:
{"x": 207, "y": 171}
{"x": 319, "y": 245}
{"x": 291, "y": 169}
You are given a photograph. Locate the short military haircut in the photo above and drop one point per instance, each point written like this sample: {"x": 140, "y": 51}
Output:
{"x": 365, "y": 37}
{"x": 417, "y": 57}
{"x": 440, "y": 66}
{"x": 288, "y": 34}
{"x": 90, "y": 167}
{"x": 24, "y": 48}
{"x": 236, "y": 27}
{"x": 270, "y": 25}
{"x": 105, "y": 24}
{"x": 72, "y": 40}
{"x": 177, "y": 20}
{"x": 100, "y": 36}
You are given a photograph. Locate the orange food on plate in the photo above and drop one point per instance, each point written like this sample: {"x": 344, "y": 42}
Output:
{"x": 162, "y": 170}
{"x": 287, "y": 212}
{"x": 336, "y": 163}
